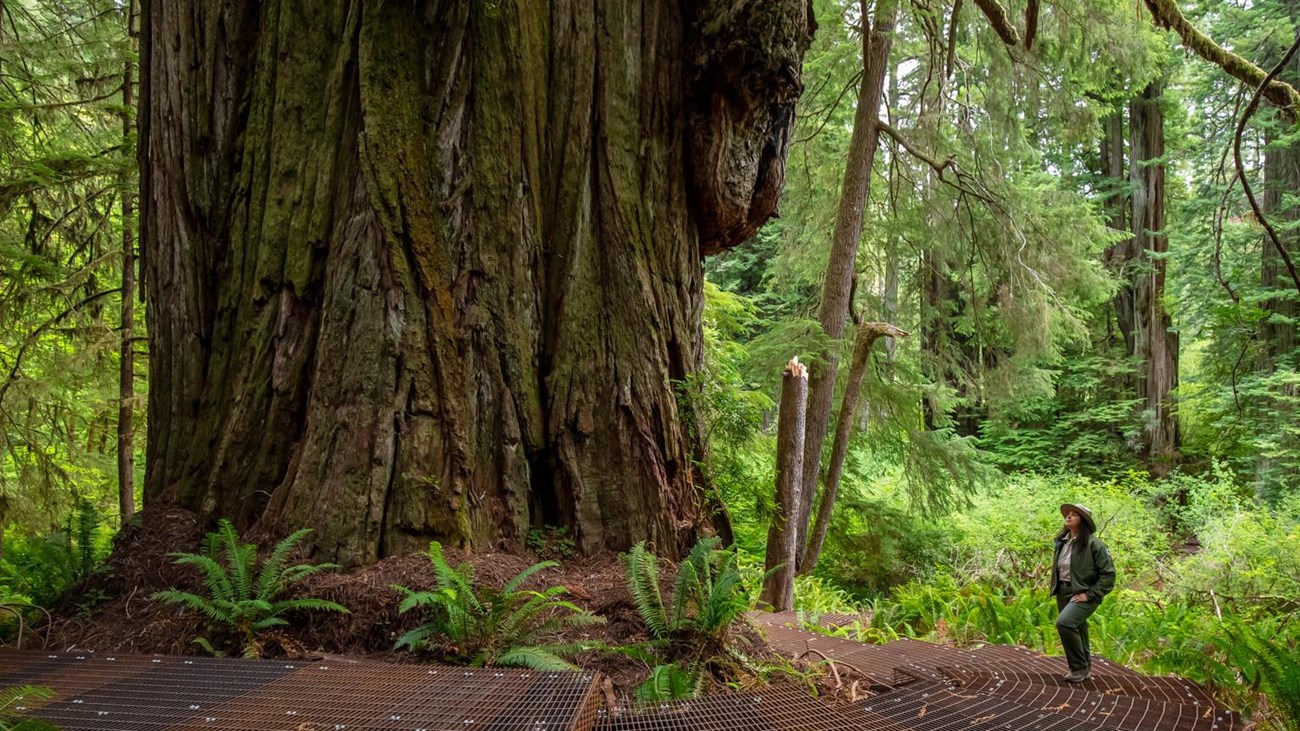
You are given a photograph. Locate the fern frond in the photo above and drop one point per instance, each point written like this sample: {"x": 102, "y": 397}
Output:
{"x": 268, "y": 623}
{"x": 294, "y": 574}
{"x": 271, "y": 580}
{"x": 534, "y": 658}
{"x": 238, "y": 559}
{"x": 512, "y": 585}
{"x": 685, "y": 590}
{"x": 669, "y": 682}
{"x": 308, "y": 604}
{"x": 516, "y": 621}
{"x": 460, "y": 578}
{"x": 213, "y": 610}
{"x": 22, "y": 694}
{"x": 215, "y": 576}
{"x": 643, "y": 584}
{"x": 438, "y": 598}
{"x": 561, "y": 621}
{"x": 416, "y": 638}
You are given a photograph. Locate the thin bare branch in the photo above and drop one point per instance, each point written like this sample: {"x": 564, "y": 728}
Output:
{"x": 1241, "y": 167}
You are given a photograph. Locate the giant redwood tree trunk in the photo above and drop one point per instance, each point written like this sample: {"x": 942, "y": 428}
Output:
{"x": 428, "y": 269}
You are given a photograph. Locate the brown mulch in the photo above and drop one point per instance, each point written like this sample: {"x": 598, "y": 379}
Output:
{"x": 126, "y": 620}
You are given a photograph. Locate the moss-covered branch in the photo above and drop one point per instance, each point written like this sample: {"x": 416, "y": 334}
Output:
{"x": 1168, "y": 16}
{"x": 1000, "y": 21}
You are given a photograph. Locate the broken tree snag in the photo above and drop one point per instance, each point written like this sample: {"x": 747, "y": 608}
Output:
{"x": 742, "y": 88}
{"x": 868, "y": 334}
{"x": 1000, "y": 21}
{"x": 782, "y": 536}
{"x": 1166, "y": 15}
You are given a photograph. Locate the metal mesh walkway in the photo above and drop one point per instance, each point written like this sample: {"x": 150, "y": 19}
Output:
{"x": 1170, "y": 690}
{"x": 917, "y": 686}
{"x": 780, "y": 708}
{"x": 1108, "y": 708}
{"x": 138, "y": 693}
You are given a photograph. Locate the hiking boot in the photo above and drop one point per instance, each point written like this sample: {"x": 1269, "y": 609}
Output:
{"x": 1078, "y": 676}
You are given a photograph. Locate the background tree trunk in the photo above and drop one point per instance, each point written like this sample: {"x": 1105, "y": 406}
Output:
{"x": 126, "y": 356}
{"x": 1117, "y": 207}
{"x": 1278, "y": 330}
{"x": 783, "y": 535}
{"x": 428, "y": 270}
{"x": 837, "y": 285}
{"x": 1154, "y": 341}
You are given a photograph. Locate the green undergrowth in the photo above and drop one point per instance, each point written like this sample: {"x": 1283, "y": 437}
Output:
{"x": 1217, "y": 610}
{"x": 478, "y": 626}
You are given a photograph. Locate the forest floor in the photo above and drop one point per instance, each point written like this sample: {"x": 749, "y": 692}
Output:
{"x": 113, "y": 610}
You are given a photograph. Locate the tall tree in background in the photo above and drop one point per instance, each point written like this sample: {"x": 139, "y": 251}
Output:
{"x": 837, "y": 283}
{"x": 429, "y": 270}
{"x": 1282, "y": 307}
{"x": 126, "y": 355}
{"x": 1143, "y": 318}
{"x": 64, "y": 165}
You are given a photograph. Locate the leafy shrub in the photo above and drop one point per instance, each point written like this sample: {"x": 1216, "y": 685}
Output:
{"x": 815, "y": 594}
{"x": 40, "y": 569}
{"x": 708, "y": 600}
{"x": 491, "y": 627}
{"x": 242, "y": 597}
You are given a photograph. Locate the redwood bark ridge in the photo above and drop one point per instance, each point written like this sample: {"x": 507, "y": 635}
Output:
{"x": 428, "y": 270}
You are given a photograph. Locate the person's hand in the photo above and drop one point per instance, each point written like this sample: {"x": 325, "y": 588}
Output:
{"x": 1079, "y": 598}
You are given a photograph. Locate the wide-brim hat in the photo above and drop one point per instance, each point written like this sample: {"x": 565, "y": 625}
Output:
{"x": 1086, "y": 514}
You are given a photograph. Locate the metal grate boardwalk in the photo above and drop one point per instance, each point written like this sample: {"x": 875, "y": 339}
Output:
{"x": 1170, "y": 690}
{"x": 1108, "y": 708}
{"x": 137, "y": 693}
{"x": 917, "y": 686}
{"x": 930, "y": 707}
{"x": 786, "y": 708}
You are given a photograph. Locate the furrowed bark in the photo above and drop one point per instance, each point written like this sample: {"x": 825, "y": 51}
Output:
{"x": 783, "y": 534}
{"x": 838, "y": 282}
{"x": 428, "y": 270}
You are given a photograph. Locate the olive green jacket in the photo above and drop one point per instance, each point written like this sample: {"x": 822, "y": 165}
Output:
{"x": 1091, "y": 570}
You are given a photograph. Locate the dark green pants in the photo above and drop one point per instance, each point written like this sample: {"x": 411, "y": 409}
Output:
{"x": 1072, "y": 625}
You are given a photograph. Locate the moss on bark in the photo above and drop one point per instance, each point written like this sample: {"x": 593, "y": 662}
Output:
{"x": 428, "y": 270}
